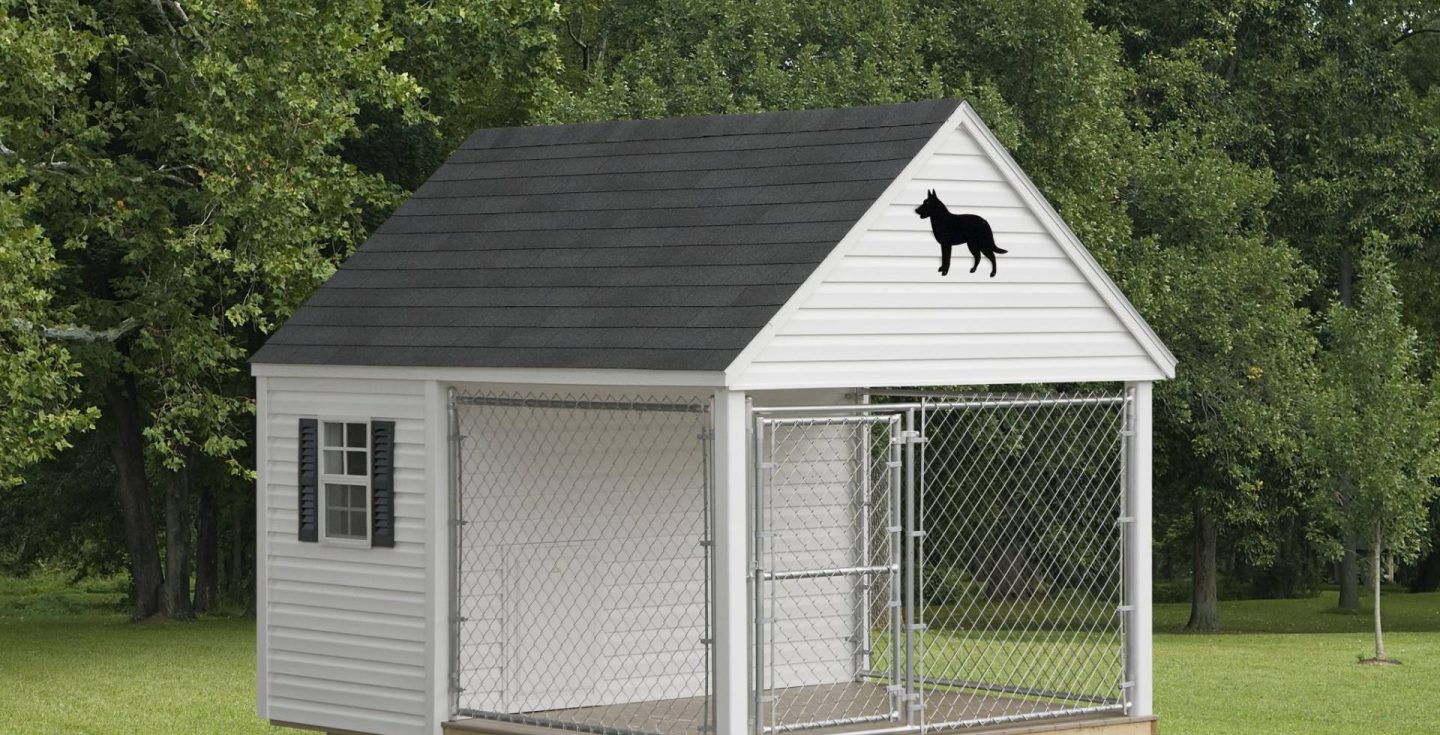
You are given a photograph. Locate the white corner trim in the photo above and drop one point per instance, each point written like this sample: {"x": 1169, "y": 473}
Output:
{"x": 762, "y": 340}
{"x": 262, "y": 561}
{"x": 531, "y": 376}
{"x": 1056, "y": 226}
{"x": 438, "y": 551}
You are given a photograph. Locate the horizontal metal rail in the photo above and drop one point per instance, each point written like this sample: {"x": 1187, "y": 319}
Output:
{"x": 1002, "y": 688}
{"x": 873, "y": 408}
{"x": 836, "y": 572}
{"x": 587, "y": 404}
{"x": 1026, "y": 717}
{"x": 958, "y": 724}
{"x": 837, "y": 722}
{"x": 864, "y": 417}
{"x": 522, "y": 719}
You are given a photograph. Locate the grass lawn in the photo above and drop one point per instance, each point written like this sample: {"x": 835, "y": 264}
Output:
{"x": 1282, "y": 666}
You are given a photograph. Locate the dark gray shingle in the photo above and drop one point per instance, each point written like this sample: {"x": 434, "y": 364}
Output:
{"x": 642, "y": 244}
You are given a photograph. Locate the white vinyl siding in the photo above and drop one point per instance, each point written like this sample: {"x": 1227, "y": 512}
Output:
{"x": 879, "y": 313}
{"x": 346, "y": 638}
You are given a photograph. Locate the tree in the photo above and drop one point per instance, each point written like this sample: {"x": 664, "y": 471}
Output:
{"x": 187, "y": 158}
{"x": 1227, "y": 300}
{"x": 1376, "y": 432}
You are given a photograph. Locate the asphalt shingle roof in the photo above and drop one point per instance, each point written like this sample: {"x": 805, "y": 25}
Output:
{"x": 648, "y": 244}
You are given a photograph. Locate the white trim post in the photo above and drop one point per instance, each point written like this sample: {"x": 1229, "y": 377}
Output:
{"x": 730, "y": 632}
{"x": 438, "y": 566}
{"x": 262, "y": 547}
{"x": 1138, "y": 550}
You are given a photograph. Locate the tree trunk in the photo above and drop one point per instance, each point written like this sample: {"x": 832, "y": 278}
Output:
{"x": 207, "y": 552}
{"x": 177, "y": 539}
{"x": 1427, "y": 573}
{"x": 1349, "y": 579}
{"x": 1347, "y": 277}
{"x": 235, "y": 567}
{"x": 1375, "y": 581}
{"x": 127, "y": 450}
{"x": 1204, "y": 610}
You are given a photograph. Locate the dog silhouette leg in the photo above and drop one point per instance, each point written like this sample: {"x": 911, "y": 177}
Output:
{"x": 975, "y": 252}
{"x": 991, "y": 257}
{"x": 944, "y": 260}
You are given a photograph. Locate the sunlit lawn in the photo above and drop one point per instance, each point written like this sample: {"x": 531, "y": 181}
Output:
{"x": 1286, "y": 666}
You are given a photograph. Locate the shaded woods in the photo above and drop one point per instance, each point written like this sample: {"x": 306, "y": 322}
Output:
{"x": 1259, "y": 177}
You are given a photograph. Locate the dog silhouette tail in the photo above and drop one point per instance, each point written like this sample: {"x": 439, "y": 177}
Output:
{"x": 998, "y": 250}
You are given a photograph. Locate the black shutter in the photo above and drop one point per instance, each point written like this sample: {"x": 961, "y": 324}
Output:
{"x": 382, "y": 483}
{"x": 309, "y": 461}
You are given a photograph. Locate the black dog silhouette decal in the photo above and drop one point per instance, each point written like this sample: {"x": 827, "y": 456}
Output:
{"x": 952, "y": 229}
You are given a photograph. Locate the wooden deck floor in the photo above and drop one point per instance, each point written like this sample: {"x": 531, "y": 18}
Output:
{"x": 804, "y": 705}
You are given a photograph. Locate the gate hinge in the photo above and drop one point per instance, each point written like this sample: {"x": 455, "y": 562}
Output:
{"x": 1125, "y": 519}
{"x": 909, "y": 436}
{"x": 706, "y": 434}
{"x": 458, "y": 522}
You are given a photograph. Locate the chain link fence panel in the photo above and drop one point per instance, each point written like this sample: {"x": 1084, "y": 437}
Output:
{"x": 583, "y": 574}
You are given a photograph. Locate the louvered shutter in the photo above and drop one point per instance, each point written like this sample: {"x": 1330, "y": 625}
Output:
{"x": 309, "y": 481}
{"x": 382, "y": 483}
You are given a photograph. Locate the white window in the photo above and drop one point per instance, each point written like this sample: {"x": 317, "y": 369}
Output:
{"x": 345, "y": 481}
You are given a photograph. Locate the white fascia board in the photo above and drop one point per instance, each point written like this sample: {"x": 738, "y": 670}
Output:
{"x": 1055, "y": 225}
{"x": 530, "y": 376}
{"x": 734, "y": 374}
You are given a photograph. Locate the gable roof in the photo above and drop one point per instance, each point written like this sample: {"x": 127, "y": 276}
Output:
{"x": 648, "y": 244}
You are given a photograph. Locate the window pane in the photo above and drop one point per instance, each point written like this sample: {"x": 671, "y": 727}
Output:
{"x": 346, "y": 514}
{"x": 337, "y": 522}
{"x": 358, "y": 522}
{"x": 334, "y": 461}
{"x": 355, "y": 435}
{"x": 355, "y": 464}
{"x": 333, "y": 434}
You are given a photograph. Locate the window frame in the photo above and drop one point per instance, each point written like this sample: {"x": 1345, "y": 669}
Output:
{"x": 325, "y": 479}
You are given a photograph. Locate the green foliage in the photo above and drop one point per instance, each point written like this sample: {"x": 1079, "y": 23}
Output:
{"x": 176, "y": 177}
{"x": 203, "y": 194}
{"x": 1376, "y": 434}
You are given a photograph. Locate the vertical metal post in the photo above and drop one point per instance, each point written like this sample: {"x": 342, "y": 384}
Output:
{"x": 758, "y": 573}
{"x": 922, "y": 436}
{"x": 911, "y": 698}
{"x": 707, "y": 543}
{"x": 1124, "y": 525}
{"x": 863, "y": 658}
{"x": 731, "y": 415}
{"x": 453, "y": 528}
{"x": 1137, "y": 567}
{"x": 896, "y": 528}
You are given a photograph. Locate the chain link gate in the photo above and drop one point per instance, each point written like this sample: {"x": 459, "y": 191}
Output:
{"x": 991, "y": 526}
{"x": 582, "y": 573}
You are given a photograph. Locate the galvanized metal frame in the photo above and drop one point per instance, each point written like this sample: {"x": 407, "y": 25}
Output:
{"x": 579, "y": 720}
{"x": 907, "y": 418}
{"x": 914, "y": 411}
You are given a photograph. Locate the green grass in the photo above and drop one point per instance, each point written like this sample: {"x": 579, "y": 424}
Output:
{"x": 52, "y": 594}
{"x": 101, "y": 674}
{"x": 1281, "y": 666}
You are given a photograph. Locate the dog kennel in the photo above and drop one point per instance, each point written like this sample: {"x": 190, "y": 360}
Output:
{"x": 672, "y": 426}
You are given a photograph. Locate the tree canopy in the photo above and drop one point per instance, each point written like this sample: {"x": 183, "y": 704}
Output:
{"x": 177, "y": 176}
